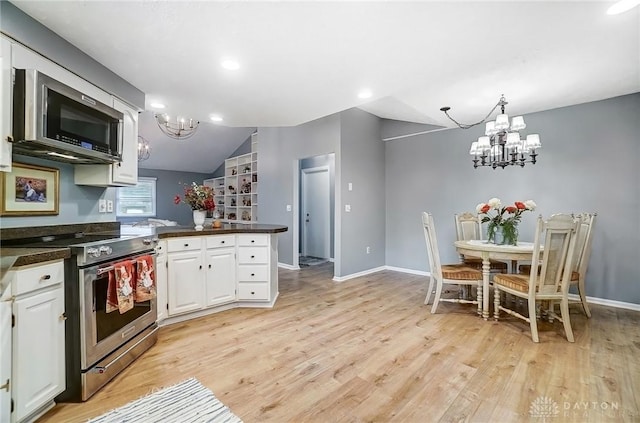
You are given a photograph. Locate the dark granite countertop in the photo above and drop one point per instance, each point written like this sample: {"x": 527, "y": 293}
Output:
{"x": 27, "y": 255}
{"x": 164, "y": 232}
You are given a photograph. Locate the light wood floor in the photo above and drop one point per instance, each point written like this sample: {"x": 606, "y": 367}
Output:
{"x": 368, "y": 350}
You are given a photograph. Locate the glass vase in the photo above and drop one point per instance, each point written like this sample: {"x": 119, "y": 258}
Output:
{"x": 198, "y": 219}
{"x": 502, "y": 234}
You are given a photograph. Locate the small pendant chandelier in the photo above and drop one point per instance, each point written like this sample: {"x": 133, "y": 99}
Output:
{"x": 501, "y": 146}
{"x": 144, "y": 149}
{"x": 179, "y": 129}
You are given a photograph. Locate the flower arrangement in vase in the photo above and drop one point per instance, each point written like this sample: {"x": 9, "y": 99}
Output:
{"x": 503, "y": 219}
{"x": 200, "y": 199}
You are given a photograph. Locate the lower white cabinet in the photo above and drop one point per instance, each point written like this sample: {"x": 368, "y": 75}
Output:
{"x": 221, "y": 275}
{"x": 38, "y": 349}
{"x": 253, "y": 267}
{"x": 210, "y": 271}
{"x": 185, "y": 281}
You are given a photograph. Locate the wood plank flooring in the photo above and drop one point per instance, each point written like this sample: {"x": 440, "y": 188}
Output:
{"x": 369, "y": 350}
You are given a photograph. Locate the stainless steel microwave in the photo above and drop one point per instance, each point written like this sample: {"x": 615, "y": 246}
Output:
{"x": 54, "y": 121}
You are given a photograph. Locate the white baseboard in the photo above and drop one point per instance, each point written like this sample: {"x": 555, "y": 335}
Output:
{"x": 357, "y": 275}
{"x": 573, "y": 297}
{"x": 403, "y": 270}
{"x": 288, "y": 266}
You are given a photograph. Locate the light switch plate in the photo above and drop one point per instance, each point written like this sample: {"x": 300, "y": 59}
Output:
{"x": 288, "y": 207}
{"x": 347, "y": 207}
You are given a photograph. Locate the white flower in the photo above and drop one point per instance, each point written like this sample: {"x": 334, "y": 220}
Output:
{"x": 479, "y": 207}
{"x": 530, "y": 205}
{"x": 494, "y": 203}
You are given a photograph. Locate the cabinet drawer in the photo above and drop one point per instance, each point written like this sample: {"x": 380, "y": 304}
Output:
{"x": 184, "y": 244}
{"x": 221, "y": 241}
{"x": 30, "y": 278}
{"x": 253, "y": 291}
{"x": 253, "y": 255}
{"x": 253, "y": 239}
{"x": 253, "y": 273}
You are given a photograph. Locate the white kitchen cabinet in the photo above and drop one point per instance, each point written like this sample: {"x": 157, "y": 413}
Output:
{"x": 5, "y": 105}
{"x": 185, "y": 275}
{"x": 124, "y": 173}
{"x": 38, "y": 339}
{"x": 221, "y": 275}
{"x": 240, "y": 270}
{"x": 253, "y": 267}
{"x": 161, "y": 280}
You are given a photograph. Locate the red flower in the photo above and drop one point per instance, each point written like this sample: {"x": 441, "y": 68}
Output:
{"x": 176, "y": 200}
{"x": 520, "y": 205}
{"x": 511, "y": 209}
{"x": 485, "y": 208}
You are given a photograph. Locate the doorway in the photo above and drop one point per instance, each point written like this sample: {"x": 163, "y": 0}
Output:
{"x": 316, "y": 200}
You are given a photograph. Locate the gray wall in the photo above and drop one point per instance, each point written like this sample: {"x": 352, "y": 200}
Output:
{"x": 362, "y": 164}
{"x": 26, "y": 30}
{"x": 279, "y": 150}
{"x": 588, "y": 162}
{"x": 78, "y": 204}
{"x": 244, "y": 148}
{"x": 354, "y": 136}
{"x": 168, "y": 185}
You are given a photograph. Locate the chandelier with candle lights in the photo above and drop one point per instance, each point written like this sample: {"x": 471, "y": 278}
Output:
{"x": 179, "y": 128}
{"x": 501, "y": 146}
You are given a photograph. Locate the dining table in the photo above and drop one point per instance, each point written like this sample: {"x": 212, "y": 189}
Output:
{"x": 488, "y": 251}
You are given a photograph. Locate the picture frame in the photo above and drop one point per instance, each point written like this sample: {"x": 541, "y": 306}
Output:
{"x": 29, "y": 190}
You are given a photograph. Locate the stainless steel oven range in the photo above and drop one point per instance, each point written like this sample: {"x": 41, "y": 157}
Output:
{"x": 100, "y": 344}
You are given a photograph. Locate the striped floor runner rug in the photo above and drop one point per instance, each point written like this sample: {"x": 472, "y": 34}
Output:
{"x": 185, "y": 402}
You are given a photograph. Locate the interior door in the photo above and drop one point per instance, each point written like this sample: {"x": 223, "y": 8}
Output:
{"x": 315, "y": 209}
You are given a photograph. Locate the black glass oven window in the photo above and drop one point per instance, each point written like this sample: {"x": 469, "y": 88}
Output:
{"x": 73, "y": 122}
{"x": 109, "y": 323}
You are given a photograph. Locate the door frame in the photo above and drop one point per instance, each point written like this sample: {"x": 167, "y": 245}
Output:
{"x": 327, "y": 231}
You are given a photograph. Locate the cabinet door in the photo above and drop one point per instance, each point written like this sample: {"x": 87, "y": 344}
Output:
{"x": 161, "y": 285}
{"x": 126, "y": 172}
{"x": 38, "y": 350}
{"x": 5, "y": 106}
{"x": 5, "y": 360}
{"x": 185, "y": 282}
{"x": 221, "y": 275}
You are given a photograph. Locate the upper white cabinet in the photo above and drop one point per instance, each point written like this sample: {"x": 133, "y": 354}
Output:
{"x": 5, "y": 105}
{"x": 119, "y": 174}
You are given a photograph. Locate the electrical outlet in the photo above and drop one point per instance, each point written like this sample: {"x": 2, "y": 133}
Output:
{"x": 102, "y": 205}
{"x": 109, "y": 206}
{"x": 368, "y": 250}
{"x": 350, "y": 186}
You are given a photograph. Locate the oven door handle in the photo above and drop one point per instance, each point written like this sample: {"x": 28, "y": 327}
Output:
{"x": 105, "y": 269}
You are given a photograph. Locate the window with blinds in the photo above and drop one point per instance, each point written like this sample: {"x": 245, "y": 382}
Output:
{"x": 137, "y": 201}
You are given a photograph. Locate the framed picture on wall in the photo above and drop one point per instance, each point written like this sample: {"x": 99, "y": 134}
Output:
{"x": 29, "y": 190}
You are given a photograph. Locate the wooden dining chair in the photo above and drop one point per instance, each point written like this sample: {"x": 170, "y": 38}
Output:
{"x": 581, "y": 256}
{"x": 469, "y": 227}
{"x": 554, "y": 242}
{"x": 458, "y": 274}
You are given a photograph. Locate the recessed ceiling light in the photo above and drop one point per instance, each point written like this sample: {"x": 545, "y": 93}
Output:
{"x": 157, "y": 105}
{"x": 365, "y": 94}
{"x": 230, "y": 64}
{"x": 622, "y": 6}
{"x": 216, "y": 118}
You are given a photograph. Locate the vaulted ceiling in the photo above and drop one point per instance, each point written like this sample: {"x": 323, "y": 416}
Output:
{"x": 300, "y": 61}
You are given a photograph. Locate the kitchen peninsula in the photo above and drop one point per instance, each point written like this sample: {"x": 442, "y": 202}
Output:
{"x": 199, "y": 272}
